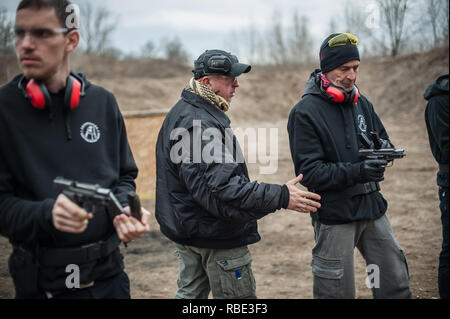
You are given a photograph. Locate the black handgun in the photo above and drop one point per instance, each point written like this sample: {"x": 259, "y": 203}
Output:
{"x": 373, "y": 149}
{"x": 135, "y": 205}
{"x": 89, "y": 196}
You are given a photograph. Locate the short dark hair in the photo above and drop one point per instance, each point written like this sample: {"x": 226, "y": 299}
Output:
{"x": 59, "y": 6}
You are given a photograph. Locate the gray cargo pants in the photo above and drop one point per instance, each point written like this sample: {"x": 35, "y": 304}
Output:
{"x": 225, "y": 272}
{"x": 333, "y": 260}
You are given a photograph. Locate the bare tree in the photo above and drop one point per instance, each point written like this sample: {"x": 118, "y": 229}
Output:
{"x": 437, "y": 12}
{"x": 251, "y": 39}
{"x": 173, "y": 50}
{"x": 276, "y": 42}
{"x": 148, "y": 50}
{"x": 445, "y": 21}
{"x": 433, "y": 12}
{"x": 300, "y": 42}
{"x": 6, "y": 46}
{"x": 393, "y": 12}
{"x": 362, "y": 19}
{"x": 234, "y": 43}
{"x": 6, "y": 32}
{"x": 97, "y": 26}
{"x": 332, "y": 27}
{"x": 356, "y": 18}
{"x": 247, "y": 43}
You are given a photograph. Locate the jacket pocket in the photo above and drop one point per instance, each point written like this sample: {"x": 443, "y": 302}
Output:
{"x": 236, "y": 277}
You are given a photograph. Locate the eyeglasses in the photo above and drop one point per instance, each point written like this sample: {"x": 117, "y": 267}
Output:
{"x": 224, "y": 78}
{"x": 38, "y": 34}
{"x": 227, "y": 79}
{"x": 341, "y": 39}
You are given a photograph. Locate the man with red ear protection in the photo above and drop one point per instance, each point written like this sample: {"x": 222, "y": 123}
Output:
{"x": 54, "y": 122}
{"x": 323, "y": 134}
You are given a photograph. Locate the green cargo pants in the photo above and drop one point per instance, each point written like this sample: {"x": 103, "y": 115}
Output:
{"x": 227, "y": 273}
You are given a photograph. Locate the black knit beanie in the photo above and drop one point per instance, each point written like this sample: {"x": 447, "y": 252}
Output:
{"x": 331, "y": 58}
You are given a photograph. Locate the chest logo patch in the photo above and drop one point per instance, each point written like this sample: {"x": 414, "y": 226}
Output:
{"x": 90, "y": 132}
{"x": 362, "y": 123}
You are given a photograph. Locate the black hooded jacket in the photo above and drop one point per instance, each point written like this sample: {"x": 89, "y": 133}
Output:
{"x": 436, "y": 118}
{"x": 35, "y": 148}
{"x": 324, "y": 147}
{"x": 202, "y": 202}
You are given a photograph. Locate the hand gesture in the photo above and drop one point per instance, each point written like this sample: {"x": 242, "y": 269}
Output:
{"x": 302, "y": 201}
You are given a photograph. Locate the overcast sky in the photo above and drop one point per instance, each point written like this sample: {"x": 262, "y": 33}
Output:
{"x": 204, "y": 24}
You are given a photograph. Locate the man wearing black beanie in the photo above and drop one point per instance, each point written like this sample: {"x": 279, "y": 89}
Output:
{"x": 323, "y": 134}
{"x": 332, "y": 57}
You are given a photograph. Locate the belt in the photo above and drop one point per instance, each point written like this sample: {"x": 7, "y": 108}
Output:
{"x": 55, "y": 257}
{"x": 443, "y": 168}
{"x": 349, "y": 192}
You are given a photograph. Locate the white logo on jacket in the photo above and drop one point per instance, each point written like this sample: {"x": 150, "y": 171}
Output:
{"x": 90, "y": 132}
{"x": 362, "y": 123}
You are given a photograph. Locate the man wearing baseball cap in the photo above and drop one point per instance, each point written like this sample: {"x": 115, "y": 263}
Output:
{"x": 323, "y": 134}
{"x": 205, "y": 201}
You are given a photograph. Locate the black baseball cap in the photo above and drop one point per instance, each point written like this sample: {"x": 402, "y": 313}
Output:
{"x": 218, "y": 62}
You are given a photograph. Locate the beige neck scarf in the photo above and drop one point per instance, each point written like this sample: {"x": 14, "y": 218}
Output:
{"x": 198, "y": 88}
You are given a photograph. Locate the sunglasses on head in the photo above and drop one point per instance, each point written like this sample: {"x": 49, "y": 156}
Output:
{"x": 342, "y": 39}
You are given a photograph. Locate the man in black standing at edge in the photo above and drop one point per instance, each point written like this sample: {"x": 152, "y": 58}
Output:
{"x": 54, "y": 122}
{"x": 208, "y": 206}
{"x": 436, "y": 119}
{"x": 323, "y": 134}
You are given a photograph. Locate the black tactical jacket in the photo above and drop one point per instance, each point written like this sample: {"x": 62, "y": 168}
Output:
{"x": 204, "y": 203}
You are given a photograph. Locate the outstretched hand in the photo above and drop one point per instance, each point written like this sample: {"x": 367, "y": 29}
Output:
{"x": 301, "y": 201}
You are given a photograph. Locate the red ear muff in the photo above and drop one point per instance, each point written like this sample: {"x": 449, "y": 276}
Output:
{"x": 40, "y": 98}
{"x": 338, "y": 95}
{"x": 355, "y": 95}
{"x": 335, "y": 94}
{"x": 76, "y": 93}
{"x": 73, "y": 92}
{"x": 38, "y": 94}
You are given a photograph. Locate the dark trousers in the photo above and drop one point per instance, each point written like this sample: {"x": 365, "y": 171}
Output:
{"x": 333, "y": 260}
{"x": 443, "y": 282}
{"x": 117, "y": 287}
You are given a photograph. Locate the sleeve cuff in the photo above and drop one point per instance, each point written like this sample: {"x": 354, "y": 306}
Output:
{"x": 284, "y": 200}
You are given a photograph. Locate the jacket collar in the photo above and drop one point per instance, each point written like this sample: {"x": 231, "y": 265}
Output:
{"x": 313, "y": 84}
{"x": 199, "y": 102}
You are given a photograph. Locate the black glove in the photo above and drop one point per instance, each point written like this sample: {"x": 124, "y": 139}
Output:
{"x": 372, "y": 170}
